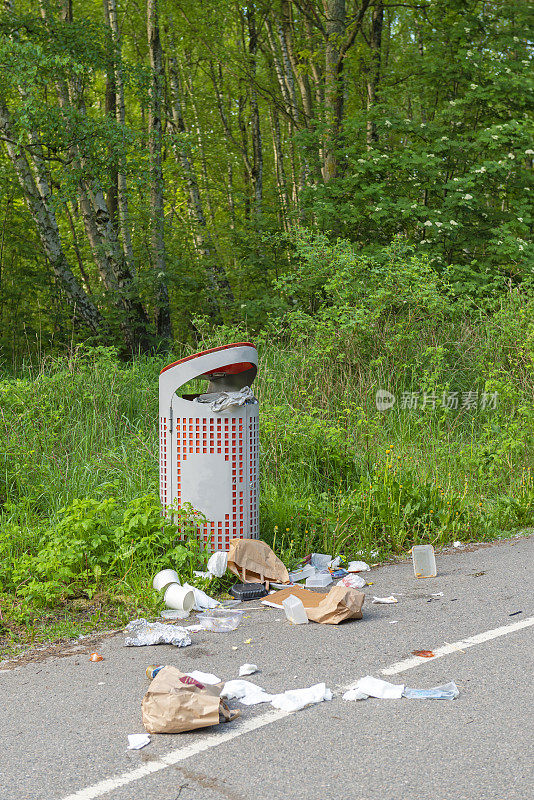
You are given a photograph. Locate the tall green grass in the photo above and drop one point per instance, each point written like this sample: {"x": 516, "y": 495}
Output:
{"x": 337, "y": 475}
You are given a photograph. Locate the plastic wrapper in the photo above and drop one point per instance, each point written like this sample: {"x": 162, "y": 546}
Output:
{"x": 145, "y": 633}
{"x": 449, "y": 691}
{"x": 219, "y": 401}
{"x": 221, "y": 620}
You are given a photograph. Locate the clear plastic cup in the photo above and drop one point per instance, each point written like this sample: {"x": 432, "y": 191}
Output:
{"x": 424, "y": 561}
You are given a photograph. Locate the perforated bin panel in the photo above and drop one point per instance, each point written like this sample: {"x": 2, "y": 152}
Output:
{"x": 214, "y": 466}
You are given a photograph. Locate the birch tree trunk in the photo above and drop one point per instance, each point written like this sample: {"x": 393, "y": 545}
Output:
{"x": 257, "y": 152}
{"x": 155, "y": 136}
{"x": 37, "y": 195}
{"x": 217, "y": 279}
{"x": 120, "y": 113}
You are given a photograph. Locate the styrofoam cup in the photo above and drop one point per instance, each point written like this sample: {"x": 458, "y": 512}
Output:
{"x": 179, "y": 597}
{"x": 164, "y": 578}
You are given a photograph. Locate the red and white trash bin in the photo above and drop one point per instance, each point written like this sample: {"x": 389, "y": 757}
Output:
{"x": 210, "y": 458}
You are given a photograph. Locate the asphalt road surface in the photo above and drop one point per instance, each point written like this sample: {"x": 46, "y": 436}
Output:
{"x": 65, "y": 719}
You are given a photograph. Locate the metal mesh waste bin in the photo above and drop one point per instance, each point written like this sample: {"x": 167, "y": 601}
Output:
{"x": 209, "y": 458}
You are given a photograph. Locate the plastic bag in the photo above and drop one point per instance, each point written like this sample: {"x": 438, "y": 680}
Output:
{"x": 448, "y": 691}
{"x": 148, "y": 633}
{"x": 223, "y": 400}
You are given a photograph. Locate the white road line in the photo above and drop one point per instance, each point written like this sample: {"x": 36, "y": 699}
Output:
{"x": 215, "y": 739}
{"x": 455, "y": 647}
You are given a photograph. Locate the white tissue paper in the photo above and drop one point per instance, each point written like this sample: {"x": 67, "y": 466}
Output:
{"x": 245, "y": 692}
{"x": 247, "y": 669}
{"x": 355, "y": 694}
{"x": 138, "y": 740}
{"x": 375, "y": 687}
{"x": 385, "y": 600}
{"x": 296, "y": 699}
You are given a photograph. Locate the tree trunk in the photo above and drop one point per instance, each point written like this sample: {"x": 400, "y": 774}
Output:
{"x": 155, "y": 137}
{"x": 37, "y": 199}
{"x": 375, "y": 41}
{"x": 335, "y": 13}
{"x": 220, "y": 288}
{"x": 120, "y": 115}
{"x": 257, "y": 152}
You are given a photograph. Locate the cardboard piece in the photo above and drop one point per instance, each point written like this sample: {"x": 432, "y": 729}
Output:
{"x": 331, "y": 608}
{"x": 309, "y": 599}
{"x": 176, "y": 702}
{"x": 254, "y": 562}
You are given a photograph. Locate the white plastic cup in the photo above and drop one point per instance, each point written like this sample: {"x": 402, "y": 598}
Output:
{"x": 424, "y": 561}
{"x": 295, "y": 611}
{"x": 179, "y": 597}
{"x": 164, "y": 578}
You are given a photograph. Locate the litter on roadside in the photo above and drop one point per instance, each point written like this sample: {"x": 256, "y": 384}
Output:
{"x": 164, "y": 578}
{"x": 424, "y": 561}
{"x": 138, "y": 740}
{"x": 330, "y": 608}
{"x": 292, "y": 700}
{"x": 352, "y": 581}
{"x": 319, "y": 580}
{"x": 176, "y": 702}
{"x": 217, "y": 563}
{"x": 204, "y": 677}
{"x": 174, "y": 613}
{"x": 246, "y": 692}
{"x": 148, "y": 633}
{"x": 355, "y": 694}
{"x": 248, "y": 591}
{"x": 423, "y": 653}
{"x": 202, "y": 601}
{"x": 385, "y": 600}
{"x": 96, "y": 657}
{"x": 221, "y": 620}
{"x": 179, "y": 598}
{"x": 295, "y": 611}
{"x": 297, "y": 699}
{"x": 375, "y": 687}
{"x": 253, "y": 561}
{"x": 358, "y": 566}
{"x": 247, "y": 669}
{"x": 449, "y": 691}
{"x": 458, "y": 545}
{"x": 302, "y": 573}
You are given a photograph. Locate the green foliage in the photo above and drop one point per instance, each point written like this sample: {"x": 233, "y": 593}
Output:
{"x": 94, "y": 545}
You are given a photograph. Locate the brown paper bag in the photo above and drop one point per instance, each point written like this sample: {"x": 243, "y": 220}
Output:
{"x": 254, "y": 562}
{"x": 339, "y": 604}
{"x": 175, "y": 702}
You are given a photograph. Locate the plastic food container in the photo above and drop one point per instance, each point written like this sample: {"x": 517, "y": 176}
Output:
{"x": 424, "y": 561}
{"x": 295, "y": 611}
{"x": 222, "y": 620}
{"x": 248, "y": 591}
{"x": 319, "y": 580}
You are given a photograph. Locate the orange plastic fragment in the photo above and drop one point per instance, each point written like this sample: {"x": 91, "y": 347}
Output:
{"x": 96, "y": 657}
{"x": 423, "y": 653}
